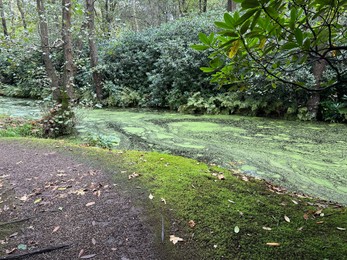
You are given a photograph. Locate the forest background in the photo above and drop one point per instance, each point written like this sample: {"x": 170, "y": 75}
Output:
{"x": 139, "y": 54}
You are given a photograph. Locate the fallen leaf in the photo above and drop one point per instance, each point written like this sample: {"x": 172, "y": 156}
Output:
{"x": 319, "y": 222}
{"x": 150, "y": 196}
{"x": 97, "y": 193}
{"x": 80, "y": 192}
{"x": 273, "y": 244}
{"x": 267, "y": 228}
{"x": 318, "y": 212}
{"x": 175, "y": 239}
{"x": 286, "y": 218}
{"x": 80, "y": 253}
{"x": 306, "y": 216}
{"x": 90, "y": 204}
{"x": 10, "y": 251}
{"x": 245, "y": 178}
{"x": 93, "y": 241}
{"x": 24, "y": 198}
{"x": 236, "y": 229}
{"x": 295, "y": 202}
{"x": 55, "y": 229}
{"x": 340, "y": 228}
{"x": 221, "y": 176}
{"x": 191, "y": 223}
{"x": 13, "y": 235}
{"x": 133, "y": 175}
{"x": 87, "y": 256}
{"x": 38, "y": 200}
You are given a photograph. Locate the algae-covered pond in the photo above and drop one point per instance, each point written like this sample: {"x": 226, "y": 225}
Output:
{"x": 304, "y": 157}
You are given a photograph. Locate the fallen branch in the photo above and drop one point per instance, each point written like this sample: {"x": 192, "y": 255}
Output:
{"x": 13, "y": 222}
{"x": 34, "y": 252}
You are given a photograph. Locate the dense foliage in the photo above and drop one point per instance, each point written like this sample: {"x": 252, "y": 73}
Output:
{"x": 296, "y": 44}
{"x": 158, "y": 68}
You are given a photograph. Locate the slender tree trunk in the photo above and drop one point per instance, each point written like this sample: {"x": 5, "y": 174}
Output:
{"x": 3, "y": 19}
{"x": 43, "y": 30}
{"x": 231, "y": 6}
{"x": 314, "y": 99}
{"x": 135, "y": 16}
{"x": 68, "y": 76}
{"x": 204, "y": 6}
{"x": 21, "y": 11}
{"x": 92, "y": 47}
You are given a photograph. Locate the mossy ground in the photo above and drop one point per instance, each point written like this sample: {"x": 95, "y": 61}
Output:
{"x": 187, "y": 190}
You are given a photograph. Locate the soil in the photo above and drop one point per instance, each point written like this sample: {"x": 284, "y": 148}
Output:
{"x": 60, "y": 201}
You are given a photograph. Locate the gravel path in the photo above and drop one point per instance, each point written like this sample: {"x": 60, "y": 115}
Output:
{"x": 68, "y": 203}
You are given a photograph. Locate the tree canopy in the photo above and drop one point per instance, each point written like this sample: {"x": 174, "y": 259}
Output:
{"x": 299, "y": 43}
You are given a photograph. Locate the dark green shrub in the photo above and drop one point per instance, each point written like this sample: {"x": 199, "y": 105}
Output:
{"x": 158, "y": 64}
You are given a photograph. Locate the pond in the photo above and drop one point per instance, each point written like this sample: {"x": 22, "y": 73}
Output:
{"x": 304, "y": 157}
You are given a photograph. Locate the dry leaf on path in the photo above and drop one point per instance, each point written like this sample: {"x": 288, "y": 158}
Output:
{"x": 38, "y": 200}
{"x": 80, "y": 253}
{"x": 90, "y": 203}
{"x": 55, "y": 229}
{"x": 273, "y": 244}
{"x": 133, "y": 175}
{"x": 10, "y": 251}
{"x": 24, "y": 198}
{"x": 286, "y": 218}
{"x": 175, "y": 239}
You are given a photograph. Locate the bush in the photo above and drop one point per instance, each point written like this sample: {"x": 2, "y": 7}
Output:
{"x": 158, "y": 64}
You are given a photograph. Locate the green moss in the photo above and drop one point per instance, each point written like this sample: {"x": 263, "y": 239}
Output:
{"x": 192, "y": 192}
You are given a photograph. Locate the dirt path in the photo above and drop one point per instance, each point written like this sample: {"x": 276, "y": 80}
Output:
{"x": 67, "y": 203}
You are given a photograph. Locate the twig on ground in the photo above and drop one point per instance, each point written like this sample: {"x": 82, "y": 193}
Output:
{"x": 34, "y": 252}
{"x": 13, "y": 222}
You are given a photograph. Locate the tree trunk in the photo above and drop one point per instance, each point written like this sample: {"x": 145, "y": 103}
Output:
{"x": 3, "y": 19}
{"x": 231, "y": 6}
{"x": 92, "y": 48}
{"x": 22, "y": 15}
{"x": 204, "y": 6}
{"x": 314, "y": 99}
{"x": 43, "y": 30}
{"x": 68, "y": 76}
